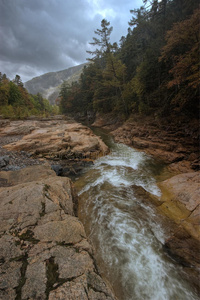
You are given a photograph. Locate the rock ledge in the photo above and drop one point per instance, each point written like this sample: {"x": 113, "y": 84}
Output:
{"x": 44, "y": 252}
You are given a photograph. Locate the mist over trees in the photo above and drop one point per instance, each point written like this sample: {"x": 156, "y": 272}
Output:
{"x": 154, "y": 69}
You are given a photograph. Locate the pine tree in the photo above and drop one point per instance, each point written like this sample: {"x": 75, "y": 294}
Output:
{"x": 102, "y": 42}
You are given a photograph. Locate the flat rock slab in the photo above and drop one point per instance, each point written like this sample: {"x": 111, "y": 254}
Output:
{"x": 54, "y": 139}
{"x": 44, "y": 252}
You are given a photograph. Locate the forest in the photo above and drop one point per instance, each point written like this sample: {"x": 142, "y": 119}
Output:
{"x": 153, "y": 71}
{"x": 17, "y": 103}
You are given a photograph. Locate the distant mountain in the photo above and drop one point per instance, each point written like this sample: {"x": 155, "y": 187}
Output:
{"x": 49, "y": 84}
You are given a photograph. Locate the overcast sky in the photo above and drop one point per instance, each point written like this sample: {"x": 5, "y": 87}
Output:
{"x": 40, "y": 36}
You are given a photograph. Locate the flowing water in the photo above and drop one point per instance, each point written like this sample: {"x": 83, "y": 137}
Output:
{"x": 125, "y": 230}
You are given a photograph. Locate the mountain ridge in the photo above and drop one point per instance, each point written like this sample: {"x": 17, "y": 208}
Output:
{"x": 48, "y": 84}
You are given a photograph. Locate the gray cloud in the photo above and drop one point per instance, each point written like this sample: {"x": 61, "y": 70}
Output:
{"x": 39, "y": 36}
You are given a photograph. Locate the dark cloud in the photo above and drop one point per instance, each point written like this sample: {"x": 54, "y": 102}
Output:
{"x": 39, "y": 36}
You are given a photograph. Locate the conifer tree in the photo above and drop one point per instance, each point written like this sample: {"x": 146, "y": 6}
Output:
{"x": 103, "y": 41}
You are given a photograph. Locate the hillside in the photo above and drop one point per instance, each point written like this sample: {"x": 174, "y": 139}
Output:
{"x": 48, "y": 84}
{"x": 154, "y": 70}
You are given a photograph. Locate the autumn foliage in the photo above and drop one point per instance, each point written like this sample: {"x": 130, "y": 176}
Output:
{"x": 16, "y": 102}
{"x": 182, "y": 53}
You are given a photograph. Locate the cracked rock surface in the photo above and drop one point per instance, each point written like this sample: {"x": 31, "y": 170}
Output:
{"x": 44, "y": 252}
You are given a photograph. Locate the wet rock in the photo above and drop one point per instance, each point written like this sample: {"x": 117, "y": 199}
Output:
{"x": 57, "y": 169}
{"x": 44, "y": 252}
{"x": 74, "y": 168}
{"x": 4, "y": 161}
{"x": 184, "y": 249}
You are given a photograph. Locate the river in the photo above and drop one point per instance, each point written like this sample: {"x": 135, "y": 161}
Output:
{"x": 125, "y": 230}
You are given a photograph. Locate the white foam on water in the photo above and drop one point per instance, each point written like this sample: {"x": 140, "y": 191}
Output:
{"x": 124, "y": 163}
{"x": 129, "y": 241}
{"x": 133, "y": 251}
{"x": 122, "y": 155}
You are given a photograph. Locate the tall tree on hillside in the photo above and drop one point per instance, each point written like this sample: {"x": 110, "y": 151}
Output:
{"x": 102, "y": 42}
{"x": 108, "y": 93}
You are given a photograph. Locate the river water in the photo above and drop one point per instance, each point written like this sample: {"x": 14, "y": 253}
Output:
{"x": 124, "y": 230}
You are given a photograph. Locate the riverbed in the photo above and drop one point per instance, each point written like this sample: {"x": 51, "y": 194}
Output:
{"x": 124, "y": 228}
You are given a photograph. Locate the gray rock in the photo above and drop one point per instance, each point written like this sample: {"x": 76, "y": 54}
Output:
{"x": 57, "y": 169}
{"x": 4, "y": 161}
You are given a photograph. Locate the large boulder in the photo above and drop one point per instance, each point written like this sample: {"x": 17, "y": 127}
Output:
{"x": 44, "y": 252}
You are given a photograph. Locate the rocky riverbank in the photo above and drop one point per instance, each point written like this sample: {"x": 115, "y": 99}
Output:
{"x": 34, "y": 215}
{"x": 65, "y": 144}
{"x": 44, "y": 251}
{"x": 176, "y": 144}
{"x": 178, "y": 147}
